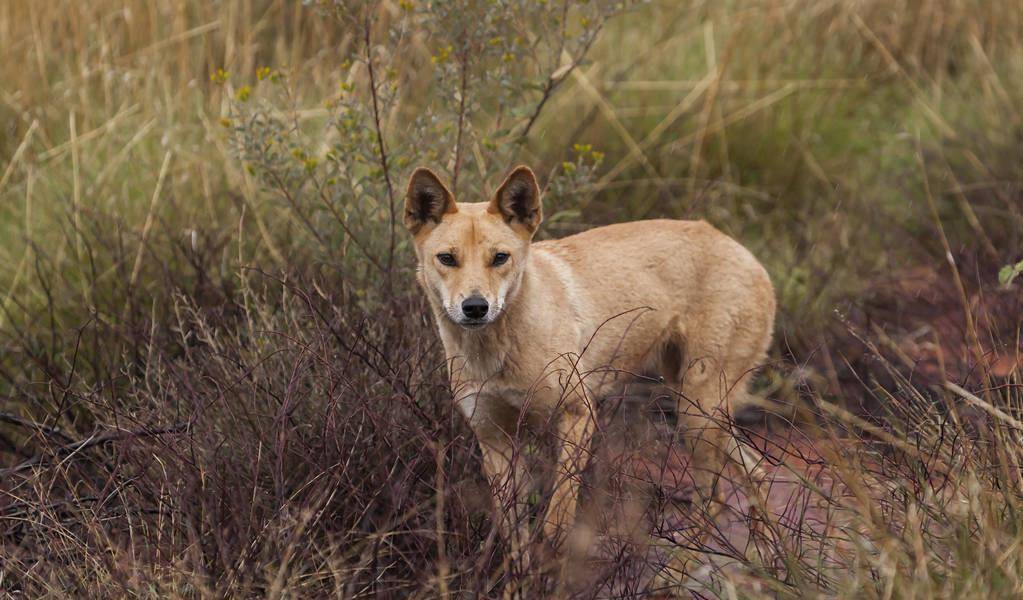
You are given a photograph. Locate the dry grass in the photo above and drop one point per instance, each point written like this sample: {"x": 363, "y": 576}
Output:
{"x": 210, "y": 393}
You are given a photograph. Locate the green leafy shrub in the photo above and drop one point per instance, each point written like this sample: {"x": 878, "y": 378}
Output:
{"x": 454, "y": 85}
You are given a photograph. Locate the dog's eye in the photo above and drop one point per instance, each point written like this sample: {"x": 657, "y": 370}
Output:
{"x": 447, "y": 259}
{"x": 500, "y": 258}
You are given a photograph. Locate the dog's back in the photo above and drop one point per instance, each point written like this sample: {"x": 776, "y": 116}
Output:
{"x": 635, "y": 285}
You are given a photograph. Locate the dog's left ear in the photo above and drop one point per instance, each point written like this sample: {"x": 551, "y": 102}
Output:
{"x": 518, "y": 200}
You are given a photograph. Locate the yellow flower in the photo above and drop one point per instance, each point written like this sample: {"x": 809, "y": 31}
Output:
{"x": 262, "y": 73}
{"x": 442, "y": 55}
{"x": 225, "y": 122}
{"x": 243, "y": 93}
{"x": 220, "y": 76}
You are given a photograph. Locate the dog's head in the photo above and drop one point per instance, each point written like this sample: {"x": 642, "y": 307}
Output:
{"x": 472, "y": 255}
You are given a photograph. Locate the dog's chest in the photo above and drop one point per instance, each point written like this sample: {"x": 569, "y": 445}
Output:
{"x": 483, "y": 364}
{"x": 482, "y": 376}
{"x": 488, "y": 373}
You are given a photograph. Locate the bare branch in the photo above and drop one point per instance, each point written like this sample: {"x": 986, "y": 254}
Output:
{"x": 463, "y": 91}
{"x": 91, "y": 442}
{"x": 381, "y": 148}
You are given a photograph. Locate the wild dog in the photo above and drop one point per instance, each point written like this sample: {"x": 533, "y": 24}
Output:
{"x": 544, "y": 328}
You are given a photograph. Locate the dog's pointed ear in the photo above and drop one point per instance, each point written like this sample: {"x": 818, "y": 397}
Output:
{"x": 427, "y": 200}
{"x": 518, "y": 200}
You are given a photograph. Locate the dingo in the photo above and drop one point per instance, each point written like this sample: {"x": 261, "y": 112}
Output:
{"x": 544, "y": 328}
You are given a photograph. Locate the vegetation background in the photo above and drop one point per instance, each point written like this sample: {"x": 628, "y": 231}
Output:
{"x": 218, "y": 378}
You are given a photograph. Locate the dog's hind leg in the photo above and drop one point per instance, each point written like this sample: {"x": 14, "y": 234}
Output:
{"x": 703, "y": 422}
{"x": 712, "y": 378}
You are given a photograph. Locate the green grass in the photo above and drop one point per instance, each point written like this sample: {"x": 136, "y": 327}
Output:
{"x": 835, "y": 157}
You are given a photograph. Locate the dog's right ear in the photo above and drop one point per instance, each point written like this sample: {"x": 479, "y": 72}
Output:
{"x": 427, "y": 200}
{"x": 518, "y": 200}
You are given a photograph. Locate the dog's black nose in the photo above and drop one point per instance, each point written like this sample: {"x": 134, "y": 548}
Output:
{"x": 475, "y": 307}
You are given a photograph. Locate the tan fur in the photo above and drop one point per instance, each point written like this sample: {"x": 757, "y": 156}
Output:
{"x": 579, "y": 313}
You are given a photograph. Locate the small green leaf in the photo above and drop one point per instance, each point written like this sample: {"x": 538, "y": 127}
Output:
{"x": 1008, "y": 273}
{"x": 1005, "y": 275}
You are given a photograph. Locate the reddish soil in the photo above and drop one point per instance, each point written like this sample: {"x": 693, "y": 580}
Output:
{"x": 643, "y": 511}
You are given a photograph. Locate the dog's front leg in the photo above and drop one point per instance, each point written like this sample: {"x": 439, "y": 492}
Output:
{"x": 501, "y": 465}
{"x": 495, "y": 424}
{"x": 575, "y": 428}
